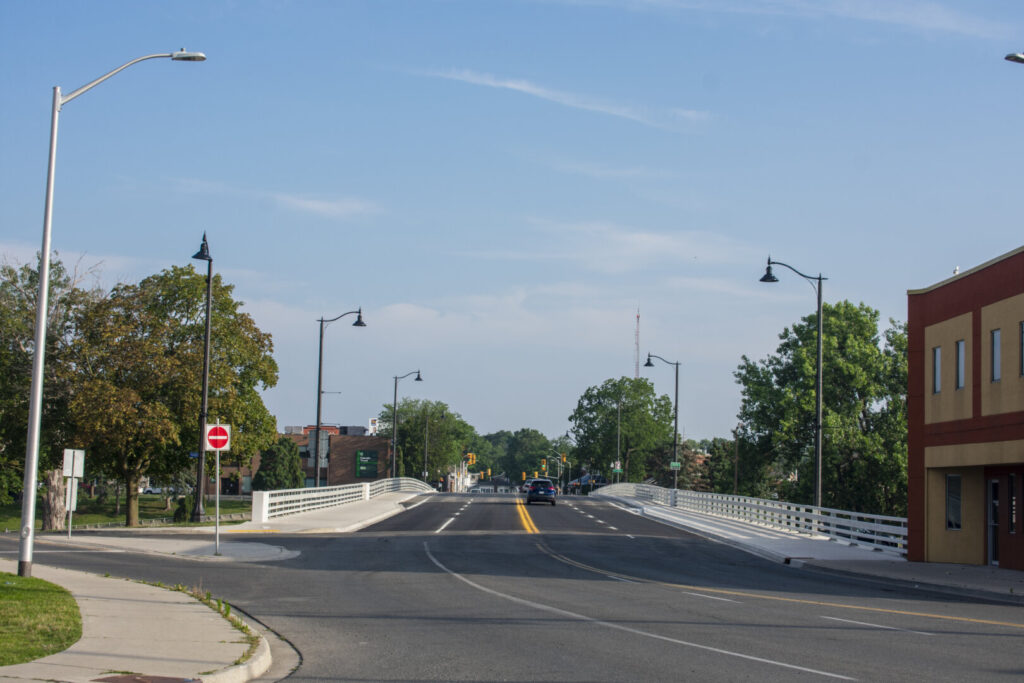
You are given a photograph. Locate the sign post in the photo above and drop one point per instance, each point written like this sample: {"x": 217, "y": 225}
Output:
{"x": 74, "y": 467}
{"x": 217, "y": 439}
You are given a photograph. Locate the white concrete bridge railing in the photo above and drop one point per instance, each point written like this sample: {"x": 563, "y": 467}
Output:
{"x": 880, "y": 532}
{"x": 269, "y": 504}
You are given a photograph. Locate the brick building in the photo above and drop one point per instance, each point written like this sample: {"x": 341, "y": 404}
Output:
{"x": 966, "y": 416}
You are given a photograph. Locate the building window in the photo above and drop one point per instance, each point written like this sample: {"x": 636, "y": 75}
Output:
{"x": 936, "y": 369}
{"x": 997, "y": 355}
{"x": 1013, "y": 503}
{"x": 961, "y": 364}
{"x": 953, "y": 502}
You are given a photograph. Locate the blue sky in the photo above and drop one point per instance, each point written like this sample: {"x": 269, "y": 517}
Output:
{"x": 501, "y": 185}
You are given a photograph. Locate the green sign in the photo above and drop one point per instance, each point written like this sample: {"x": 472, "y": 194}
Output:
{"x": 676, "y": 466}
{"x": 366, "y": 464}
{"x": 617, "y": 470}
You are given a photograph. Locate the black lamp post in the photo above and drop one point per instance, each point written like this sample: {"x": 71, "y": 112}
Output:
{"x": 768, "y": 277}
{"x": 394, "y": 421}
{"x": 320, "y": 380}
{"x": 198, "y": 509}
{"x": 675, "y": 428}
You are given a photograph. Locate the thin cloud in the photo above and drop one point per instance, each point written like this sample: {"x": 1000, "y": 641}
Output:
{"x": 341, "y": 207}
{"x": 567, "y": 99}
{"x": 335, "y": 208}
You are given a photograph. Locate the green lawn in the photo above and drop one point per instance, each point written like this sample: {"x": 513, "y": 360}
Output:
{"x": 91, "y": 511}
{"x": 36, "y": 619}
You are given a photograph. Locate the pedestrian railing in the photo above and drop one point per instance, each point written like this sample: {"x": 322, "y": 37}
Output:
{"x": 879, "y": 532}
{"x": 269, "y": 504}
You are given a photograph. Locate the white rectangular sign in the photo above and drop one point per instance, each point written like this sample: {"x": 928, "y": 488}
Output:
{"x": 74, "y": 462}
{"x": 71, "y": 496}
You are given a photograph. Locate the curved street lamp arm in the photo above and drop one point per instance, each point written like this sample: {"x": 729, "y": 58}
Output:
{"x": 328, "y": 322}
{"x": 184, "y": 56}
{"x": 817, "y": 277}
{"x": 669, "y": 362}
{"x": 414, "y": 372}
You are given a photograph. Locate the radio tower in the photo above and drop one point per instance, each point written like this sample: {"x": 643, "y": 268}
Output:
{"x": 636, "y": 352}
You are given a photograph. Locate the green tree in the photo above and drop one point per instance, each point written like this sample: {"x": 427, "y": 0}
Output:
{"x": 864, "y": 413}
{"x": 447, "y": 437}
{"x": 626, "y": 407}
{"x": 135, "y": 367}
{"x": 280, "y": 467}
{"x": 526, "y": 449}
{"x": 19, "y": 286}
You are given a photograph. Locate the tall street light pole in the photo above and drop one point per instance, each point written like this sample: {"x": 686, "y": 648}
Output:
{"x": 28, "y": 506}
{"x": 675, "y": 428}
{"x": 768, "y": 277}
{"x": 1015, "y": 57}
{"x": 320, "y": 380}
{"x": 394, "y": 420}
{"x": 198, "y": 507}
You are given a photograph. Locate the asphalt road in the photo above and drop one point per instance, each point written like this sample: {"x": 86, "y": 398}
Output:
{"x": 483, "y": 588}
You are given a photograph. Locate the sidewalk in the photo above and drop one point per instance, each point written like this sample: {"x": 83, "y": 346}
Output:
{"x": 151, "y": 631}
{"x": 823, "y": 554}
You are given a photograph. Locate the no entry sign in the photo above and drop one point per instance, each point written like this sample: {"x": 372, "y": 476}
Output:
{"x": 218, "y": 437}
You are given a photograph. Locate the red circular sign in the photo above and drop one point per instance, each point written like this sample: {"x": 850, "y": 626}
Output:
{"x": 218, "y": 437}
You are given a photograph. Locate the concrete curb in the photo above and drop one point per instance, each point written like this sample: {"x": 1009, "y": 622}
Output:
{"x": 252, "y": 668}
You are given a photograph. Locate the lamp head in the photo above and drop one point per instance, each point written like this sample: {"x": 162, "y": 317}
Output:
{"x": 649, "y": 363}
{"x": 359, "y": 320}
{"x": 204, "y": 251}
{"x": 418, "y": 378}
{"x": 183, "y": 56}
{"x": 768, "y": 277}
{"x": 1016, "y": 57}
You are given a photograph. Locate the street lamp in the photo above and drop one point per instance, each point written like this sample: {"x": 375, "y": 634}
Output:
{"x": 320, "y": 379}
{"x": 675, "y": 428}
{"x": 28, "y": 506}
{"x": 198, "y": 506}
{"x": 394, "y": 420}
{"x": 768, "y": 277}
{"x": 1015, "y": 57}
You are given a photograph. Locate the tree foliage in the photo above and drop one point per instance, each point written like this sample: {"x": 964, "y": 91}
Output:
{"x": 19, "y": 286}
{"x": 280, "y": 467}
{"x": 135, "y": 368}
{"x": 645, "y": 425}
{"x": 864, "y": 413}
{"x": 446, "y": 435}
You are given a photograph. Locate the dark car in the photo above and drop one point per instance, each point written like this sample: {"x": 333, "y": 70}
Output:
{"x": 542, "y": 490}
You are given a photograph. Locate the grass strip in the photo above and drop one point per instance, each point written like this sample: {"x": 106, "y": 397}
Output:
{"x": 37, "y": 619}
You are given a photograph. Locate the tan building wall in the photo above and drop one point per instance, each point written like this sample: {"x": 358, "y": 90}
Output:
{"x": 967, "y": 544}
{"x": 1007, "y": 394}
{"x": 950, "y": 403}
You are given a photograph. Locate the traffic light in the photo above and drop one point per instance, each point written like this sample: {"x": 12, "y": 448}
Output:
{"x": 535, "y": 475}
{"x": 488, "y": 472}
{"x": 563, "y": 457}
{"x": 543, "y": 463}
{"x": 524, "y": 477}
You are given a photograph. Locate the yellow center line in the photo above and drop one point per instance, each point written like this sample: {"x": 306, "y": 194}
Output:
{"x": 777, "y": 598}
{"x": 524, "y": 517}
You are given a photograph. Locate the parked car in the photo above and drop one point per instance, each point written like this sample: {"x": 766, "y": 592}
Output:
{"x": 153, "y": 489}
{"x": 542, "y": 490}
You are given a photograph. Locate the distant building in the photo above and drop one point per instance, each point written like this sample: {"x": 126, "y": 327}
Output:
{"x": 348, "y": 454}
{"x": 966, "y": 416}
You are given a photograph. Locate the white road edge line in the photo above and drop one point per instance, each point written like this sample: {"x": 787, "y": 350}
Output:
{"x": 417, "y": 504}
{"x": 620, "y": 627}
{"x": 887, "y": 628}
{"x": 450, "y": 520}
